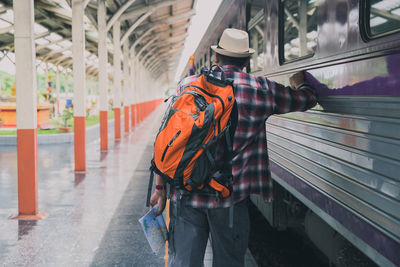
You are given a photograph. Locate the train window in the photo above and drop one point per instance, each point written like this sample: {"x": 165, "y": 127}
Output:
{"x": 382, "y": 17}
{"x": 255, "y": 27}
{"x": 298, "y": 29}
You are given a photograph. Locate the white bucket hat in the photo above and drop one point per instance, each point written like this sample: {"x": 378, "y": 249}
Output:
{"x": 233, "y": 43}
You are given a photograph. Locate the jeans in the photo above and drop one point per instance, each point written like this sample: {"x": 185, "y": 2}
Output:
{"x": 190, "y": 228}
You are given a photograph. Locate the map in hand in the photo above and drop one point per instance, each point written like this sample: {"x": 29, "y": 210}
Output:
{"x": 154, "y": 229}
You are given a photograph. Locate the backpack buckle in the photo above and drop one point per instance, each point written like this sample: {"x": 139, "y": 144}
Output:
{"x": 204, "y": 71}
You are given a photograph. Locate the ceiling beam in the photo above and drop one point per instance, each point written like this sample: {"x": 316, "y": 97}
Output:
{"x": 158, "y": 67}
{"x": 61, "y": 12}
{"x": 117, "y": 14}
{"x": 150, "y": 54}
{"x": 141, "y": 50}
{"x": 134, "y": 26}
{"x": 150, "y": 59}
{"x": 85, "y": 3}
{"x": 293, "y": 19}
{"x": 169, "y": 20}
{"x": 169, "y": 47}
{"x": 157, "y": 61}
{"x": 170, "y": 42}
{"x": 137, "y": 41}
{"x": 39, "y": 47}
{"x": 6, "y": 29}
{"x": 137, "y": 10}
{"x": 385, "y": 14}
{"x": 54, "y": 52}
{"x": 149, "y": 30}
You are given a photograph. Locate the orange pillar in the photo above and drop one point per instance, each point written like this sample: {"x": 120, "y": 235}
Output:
{"x": 27, "y": 175}
{"x": 80, "y": 143}
{"x": 27, "y": 171}
{"x": 143, "y": 109}
{"x": 117, "y": 79}
{"x": 140, "y": 112}
{"x": 117, "y": 123}
{"x": 137, "y": 110}
{"x": 126, "y": 118}
{"x": 103, "y": 79}
{"x": 26, "y": 111}
{"x": 103, "y": 130}
{"x": 133, "y": 114}
{"x": 127, "y": 85}
{"x": 78, "y": 53}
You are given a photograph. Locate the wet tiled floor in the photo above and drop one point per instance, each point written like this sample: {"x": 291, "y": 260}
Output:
{"x": 92, "y": 219}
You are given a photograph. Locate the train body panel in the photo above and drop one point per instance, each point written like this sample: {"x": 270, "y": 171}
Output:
{"x": 348, "y": 148}
{"x": 342, "y": 158}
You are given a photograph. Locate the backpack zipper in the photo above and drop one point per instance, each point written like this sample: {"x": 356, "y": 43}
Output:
{"x": 198, "y": 104}
{"x": 209, "y": 94}
{"x": 170, "y": 144}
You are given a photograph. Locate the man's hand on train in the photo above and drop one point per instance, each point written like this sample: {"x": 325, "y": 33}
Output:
{"x": 296, "y": 79}
{"x": 159, "y": 198}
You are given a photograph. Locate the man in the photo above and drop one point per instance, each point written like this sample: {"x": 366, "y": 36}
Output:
{"x": 257, "y": 98}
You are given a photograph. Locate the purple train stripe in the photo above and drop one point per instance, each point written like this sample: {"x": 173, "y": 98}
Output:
{"x": 384, "y": 84}
{"x": 378, "y": 240}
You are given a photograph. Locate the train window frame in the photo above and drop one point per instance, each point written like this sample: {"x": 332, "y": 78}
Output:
{"x": 365, "y": 29}
{"x": 252, "y": 23}
{"x": 281, "y": 32}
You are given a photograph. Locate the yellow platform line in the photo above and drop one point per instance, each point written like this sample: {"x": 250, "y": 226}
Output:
{"x": 166, "y": 244}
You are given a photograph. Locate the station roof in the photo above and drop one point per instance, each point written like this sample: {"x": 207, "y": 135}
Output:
{"x": 155, "y": 29}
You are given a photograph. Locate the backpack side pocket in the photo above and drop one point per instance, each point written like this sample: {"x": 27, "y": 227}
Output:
{"x": 201, "y": 172}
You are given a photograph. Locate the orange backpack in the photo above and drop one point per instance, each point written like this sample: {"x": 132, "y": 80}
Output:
{"x": 186, "y": 144}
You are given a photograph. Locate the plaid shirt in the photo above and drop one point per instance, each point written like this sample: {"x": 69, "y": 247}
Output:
{"x": 257, "y": 98}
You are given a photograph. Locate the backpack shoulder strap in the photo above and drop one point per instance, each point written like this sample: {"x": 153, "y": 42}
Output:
{"x": 229, "y": 135}
{"x": 233, "y": 121}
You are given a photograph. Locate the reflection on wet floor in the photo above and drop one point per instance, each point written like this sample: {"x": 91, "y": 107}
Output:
{"x": 82, "y": 208}
{"x": 123, "y": 229}
{"x": 25, "y": 227}
{"x": 79, "y": 177}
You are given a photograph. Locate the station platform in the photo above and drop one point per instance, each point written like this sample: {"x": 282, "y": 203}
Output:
{"x": 92, "y": 218}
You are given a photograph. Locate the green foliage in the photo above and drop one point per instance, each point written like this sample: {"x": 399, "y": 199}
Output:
{"x": 10, "y": 132}
{"x": 111, "y": 115}
{"x": 92, "y": 120}
{"x": 14, "y": 132}
{"x": 66, "y": 116}
{"x": 6, "y": 82}
{"x": 41, "y": 82}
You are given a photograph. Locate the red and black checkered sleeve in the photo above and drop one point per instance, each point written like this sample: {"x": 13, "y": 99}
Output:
{"x": 287, "y": 99}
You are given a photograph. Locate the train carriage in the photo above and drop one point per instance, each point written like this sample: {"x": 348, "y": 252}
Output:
{"x": 336, "y": 168}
